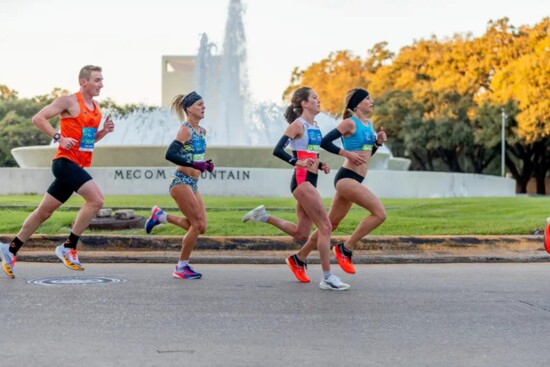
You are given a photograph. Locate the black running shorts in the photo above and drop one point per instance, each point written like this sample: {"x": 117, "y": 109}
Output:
{"x": 347, "y": 173}
{"x": 69, "y": 177}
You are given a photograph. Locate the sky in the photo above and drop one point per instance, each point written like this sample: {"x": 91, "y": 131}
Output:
{"x": 44, "y": 43}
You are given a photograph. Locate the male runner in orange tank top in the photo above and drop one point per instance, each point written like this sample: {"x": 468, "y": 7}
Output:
{"x": 80, "y": 120}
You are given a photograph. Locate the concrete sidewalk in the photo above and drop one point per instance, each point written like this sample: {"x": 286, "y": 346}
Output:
{"x": 273, "y": 250}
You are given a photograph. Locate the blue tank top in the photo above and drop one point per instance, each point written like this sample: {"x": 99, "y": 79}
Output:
{"x": 196, "y": 146}
{"x": 363, "y": 138}
{"x": 310, "y": 142}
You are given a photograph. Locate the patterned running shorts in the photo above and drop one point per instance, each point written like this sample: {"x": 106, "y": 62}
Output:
{"x": 183, "y": 179}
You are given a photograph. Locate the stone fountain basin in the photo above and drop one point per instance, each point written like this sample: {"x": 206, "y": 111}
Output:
{"x": 223, "y": 156}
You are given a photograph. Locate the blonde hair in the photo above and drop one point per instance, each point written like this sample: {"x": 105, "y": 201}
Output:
{"x": 178, "y": 108}
{"x": 86, "y": 71}
{"x": 347, "y": 112}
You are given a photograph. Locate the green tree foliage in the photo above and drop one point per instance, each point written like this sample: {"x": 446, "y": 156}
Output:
{"x": 122, "y": 110}
{"x": 17, "y": 129}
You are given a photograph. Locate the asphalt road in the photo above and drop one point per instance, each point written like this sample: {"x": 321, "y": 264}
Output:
{"x": 257, "y": 315}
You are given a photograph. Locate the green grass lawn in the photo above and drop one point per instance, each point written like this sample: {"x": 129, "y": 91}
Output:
{"x": 419, "y": 217}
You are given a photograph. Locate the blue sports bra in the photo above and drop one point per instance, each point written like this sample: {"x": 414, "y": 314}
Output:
{"x": 363, "y": 138}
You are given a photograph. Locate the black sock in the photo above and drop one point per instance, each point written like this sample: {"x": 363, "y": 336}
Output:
{"x": 345, "y": 250}
{"x": 15, "y": 245}
{"x": 72, "y": 241}
{"x": 298, "y": 261}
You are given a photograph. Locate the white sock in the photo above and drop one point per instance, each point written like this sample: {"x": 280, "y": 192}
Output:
{"x": 327, "y": 274}
{"x": 162, "y": 217}
{"x": 183, "y": 263}
{"x": 264, "y": 218}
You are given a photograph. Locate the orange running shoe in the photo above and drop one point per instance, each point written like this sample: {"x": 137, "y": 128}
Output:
{"x": 298, "y": 270}
{"x": 547, "y": 236}
{"x": 344, "y": 260}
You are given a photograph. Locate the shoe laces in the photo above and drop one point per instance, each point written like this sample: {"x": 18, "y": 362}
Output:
{"x": 190, "y": 269}
{"x": 184, "y": 269}
{"x": 334, "y": 280}
{"x": 344, "y": 251}
{"x": 72, "y": 255}
{"x": 296, "y": 259}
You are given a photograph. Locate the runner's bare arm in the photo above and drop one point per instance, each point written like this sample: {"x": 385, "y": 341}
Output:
{"x": 56, "y": 108}
{"x": 108, "y": 127}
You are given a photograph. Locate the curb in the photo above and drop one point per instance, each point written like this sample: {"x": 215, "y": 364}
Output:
{"x": 273, "y": 250}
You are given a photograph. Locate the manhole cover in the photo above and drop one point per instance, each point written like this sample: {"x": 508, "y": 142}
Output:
{"x": 76, "y": 281}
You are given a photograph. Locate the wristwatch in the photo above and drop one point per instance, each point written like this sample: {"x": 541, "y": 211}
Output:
{"x": 56, "y": 137}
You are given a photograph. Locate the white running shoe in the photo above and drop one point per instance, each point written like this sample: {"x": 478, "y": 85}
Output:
{"x": 69, "y": 256}
{"x": 8, "y": 259}
{"x": 256, "y": 215}
{"x": 333, "y": 283}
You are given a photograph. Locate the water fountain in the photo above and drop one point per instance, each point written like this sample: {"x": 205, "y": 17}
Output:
{"x": 241, "y": 136}
{"x": 232, "y": 119}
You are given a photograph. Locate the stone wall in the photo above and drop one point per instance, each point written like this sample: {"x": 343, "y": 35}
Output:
{"x": 268, "y": 182}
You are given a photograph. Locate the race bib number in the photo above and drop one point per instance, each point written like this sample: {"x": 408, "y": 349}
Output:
{"x": 314, "y": 141}
{"x": 88, "y": 139}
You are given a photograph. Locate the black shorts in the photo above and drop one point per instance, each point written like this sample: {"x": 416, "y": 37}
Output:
{"x": 347, "y": 173}
{"x": 308, "y": 177}
{"x": 69, "y": 177}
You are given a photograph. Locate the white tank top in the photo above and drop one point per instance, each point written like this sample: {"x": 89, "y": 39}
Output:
{"x": 311, "y": 139}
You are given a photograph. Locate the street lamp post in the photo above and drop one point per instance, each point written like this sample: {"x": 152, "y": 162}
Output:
{"x": 503, "y": 143}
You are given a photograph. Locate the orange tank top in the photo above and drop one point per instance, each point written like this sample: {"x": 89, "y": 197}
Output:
{"x": 83, "y": 128}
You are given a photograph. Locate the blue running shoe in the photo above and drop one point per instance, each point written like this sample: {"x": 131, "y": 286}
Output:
{"x": 154, "y": 219}
{"x": 186, "y": 272}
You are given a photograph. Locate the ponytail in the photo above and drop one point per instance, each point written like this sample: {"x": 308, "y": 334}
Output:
{"x": 295, "y": 109}
{"x": 177, "y": 107}
{"x": 290, "y": 114}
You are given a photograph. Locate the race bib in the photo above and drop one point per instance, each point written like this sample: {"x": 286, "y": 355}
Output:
{"x": 199, "y": 148}
{"x": 314, "y": 141}
{"x": 370, "y": 139}
{"x": 88, "y": 139}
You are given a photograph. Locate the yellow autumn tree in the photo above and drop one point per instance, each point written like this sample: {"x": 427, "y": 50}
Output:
{"x": 331, "y": 78}
{"x": 526, "y": 80}
{"x": 453, "y": 90}
{"x": 7, "y": 93}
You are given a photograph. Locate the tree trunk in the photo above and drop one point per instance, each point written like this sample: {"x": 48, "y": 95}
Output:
{"x": 541, "y": 185}
{"x": 541, "y": 162}
{"x": 524, "y": 153}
